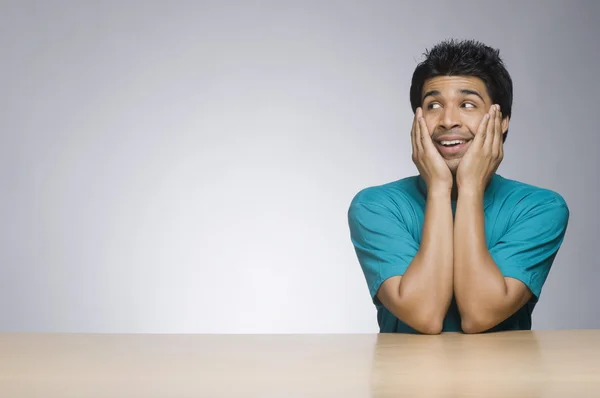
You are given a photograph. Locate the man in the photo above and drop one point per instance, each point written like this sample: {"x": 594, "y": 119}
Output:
{"x": 457, "y": 247}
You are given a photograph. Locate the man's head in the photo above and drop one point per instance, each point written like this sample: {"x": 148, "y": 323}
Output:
{"x": 455, "y": 86}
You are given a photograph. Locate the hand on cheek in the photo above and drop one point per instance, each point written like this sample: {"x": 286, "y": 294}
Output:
{"x": 484, "y": 155}
{"x": 429, "y": 162}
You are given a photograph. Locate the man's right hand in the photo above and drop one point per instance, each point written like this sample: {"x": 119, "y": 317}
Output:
{"x": 429, "y": 161}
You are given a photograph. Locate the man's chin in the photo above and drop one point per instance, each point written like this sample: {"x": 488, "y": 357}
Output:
{"x": 453, "y": 165}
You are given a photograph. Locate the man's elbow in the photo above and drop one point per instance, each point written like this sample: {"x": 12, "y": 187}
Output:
{"x": 431, "y": 328}
{"x": 424, "y": 318}
{"x": 477, "y": 323}
{"x": 472, "y": 327}
{"x": 424, "y": 322}
{"x": 479, "y": 319}
{"x": 428, "y": 324}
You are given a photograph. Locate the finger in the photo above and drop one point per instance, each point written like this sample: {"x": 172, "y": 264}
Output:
{"x": 419, "y": 134}
{"x": 497, "y": 147}
{"x": 480, "y": 136}
{"x": 425, "y": 137}
{"x": 497, "y": 131}
{"x": 490, "y": 130}
{"x": 413, "y": 137}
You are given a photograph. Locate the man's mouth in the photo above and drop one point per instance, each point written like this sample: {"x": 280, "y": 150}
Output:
{"x": 453, "y": 147}
{"x": 452, "y": 143}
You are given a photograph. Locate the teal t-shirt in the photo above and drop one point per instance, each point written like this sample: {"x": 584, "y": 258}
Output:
{"x": 524, "y": 227}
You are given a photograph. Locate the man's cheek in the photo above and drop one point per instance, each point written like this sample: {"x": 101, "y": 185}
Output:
{"x": 474, "y": 125}
{"x": 430, "y": 125}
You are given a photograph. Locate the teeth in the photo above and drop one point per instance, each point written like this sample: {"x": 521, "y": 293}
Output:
{"x": 452, "y": 142}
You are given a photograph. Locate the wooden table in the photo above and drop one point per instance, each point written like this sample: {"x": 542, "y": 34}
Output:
{"x": 509, "y": 364}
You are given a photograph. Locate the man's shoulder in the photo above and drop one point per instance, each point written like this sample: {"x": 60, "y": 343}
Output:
{"x": 519, "y": 195}
{"x": 389, "y": 195}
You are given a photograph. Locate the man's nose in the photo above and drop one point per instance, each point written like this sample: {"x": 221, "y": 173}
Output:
{"x": 450, "y": 118}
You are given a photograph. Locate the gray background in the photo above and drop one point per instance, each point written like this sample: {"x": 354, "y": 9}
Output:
{"x": 186, "y": 167}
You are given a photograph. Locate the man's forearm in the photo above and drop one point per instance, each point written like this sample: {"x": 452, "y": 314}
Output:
{"x": 426, "y": 286}
{"x": 478, "y": 283}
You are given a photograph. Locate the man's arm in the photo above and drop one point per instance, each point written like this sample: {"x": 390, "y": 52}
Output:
{"x": 483, "y": 295}
{"x": 492, "y": 285}
{"x": 421, "y": 297}
{"x": 413, "y": 281}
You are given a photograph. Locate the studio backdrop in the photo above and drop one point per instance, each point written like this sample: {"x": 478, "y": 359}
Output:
{"x": 187, "y": 167}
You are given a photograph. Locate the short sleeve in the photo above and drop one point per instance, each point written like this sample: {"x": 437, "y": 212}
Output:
{"x": 528, "y": 248}
{"x": 382, "y": 243}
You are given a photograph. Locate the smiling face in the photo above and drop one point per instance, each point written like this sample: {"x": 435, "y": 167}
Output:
{"x": 453, "y": 107}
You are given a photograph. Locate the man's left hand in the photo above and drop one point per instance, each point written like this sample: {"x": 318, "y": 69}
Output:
{"x": 484, "y": 155}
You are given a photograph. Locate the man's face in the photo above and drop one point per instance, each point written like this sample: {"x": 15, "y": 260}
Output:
{"x": 453, "y": 107}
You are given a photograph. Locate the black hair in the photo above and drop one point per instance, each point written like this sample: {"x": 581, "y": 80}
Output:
{"x": 465, "y": 58}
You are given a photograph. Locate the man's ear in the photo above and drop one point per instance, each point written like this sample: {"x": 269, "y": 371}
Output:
{"x": 505, "y": 124}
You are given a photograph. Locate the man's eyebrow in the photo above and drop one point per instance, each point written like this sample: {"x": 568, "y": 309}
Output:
{"x": 464, "y": 91}
{"x": 431, "y": 93}
{"x": 471, "y": 92}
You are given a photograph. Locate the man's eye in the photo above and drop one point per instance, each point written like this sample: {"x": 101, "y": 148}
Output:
{"x": 432, "y": 105}
{"x": 468, "y": 105}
